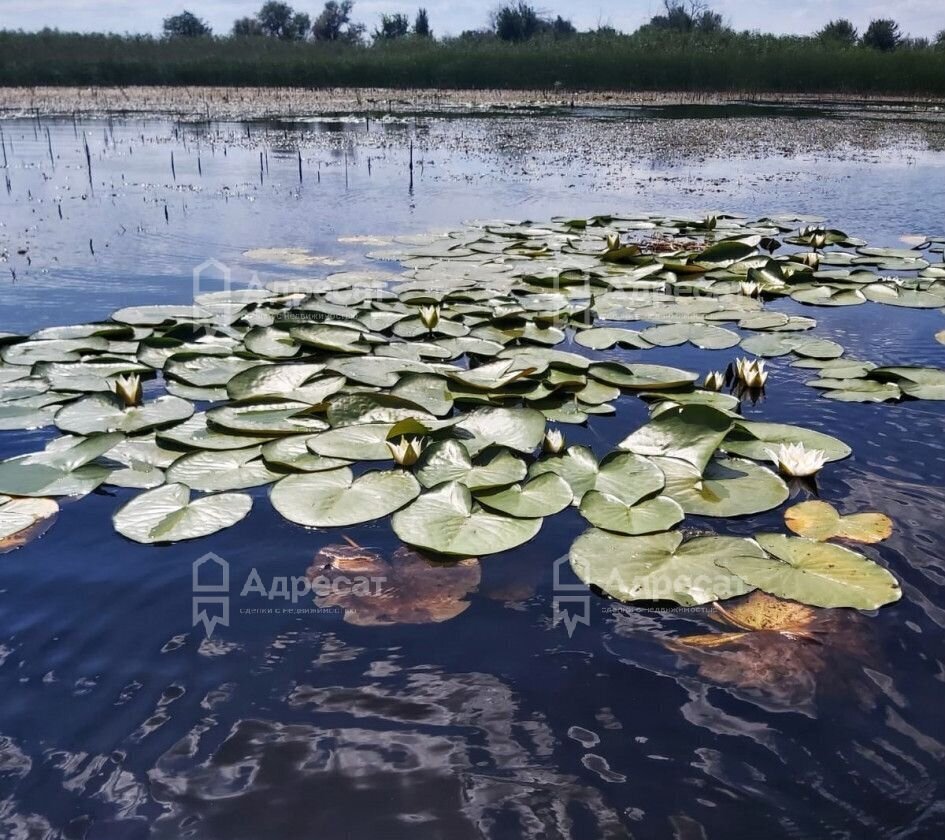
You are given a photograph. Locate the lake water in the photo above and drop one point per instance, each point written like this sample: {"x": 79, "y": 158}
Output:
{"x": 120, "y": 719}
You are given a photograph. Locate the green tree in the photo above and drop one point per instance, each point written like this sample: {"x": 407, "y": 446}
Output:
{"x": 280, "y": 20}
{"x": 687, "y": 16}
{"x": 421, "y": 25}
{"x": 334, "y": 23}
{"x": 517, "y": 22}
{"x": 940, "y": 40}
{"x": 882, "y": 34}
{"x": 186, "y": 25}
{"x": 392, "y": 27}
{"x": 247, "y": 27}
{"x": 840, "y": 32}
{"x": 562, "y": 27}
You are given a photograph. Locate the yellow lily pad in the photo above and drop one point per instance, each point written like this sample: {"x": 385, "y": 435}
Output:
{"x": 820, "y": 521}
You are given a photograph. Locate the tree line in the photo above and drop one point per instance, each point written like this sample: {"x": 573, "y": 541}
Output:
{"x": 514, "y": 22}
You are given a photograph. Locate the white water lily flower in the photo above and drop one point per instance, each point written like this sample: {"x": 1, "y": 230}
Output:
{"x": 818, "y": 240}
{"x": 406, "y": 453}
{"x": 749, "y": 289}
{"x": 751, "y": 372}
{"x": 796, "y": 460}
{"x": 128, "y": 389}
{"x": 430, "y": 316}
{"x": 613, "y": 241}
{"x": 714, "y": 381}
{"x": 808, "y": 258}
{"x": 553, "y": 442}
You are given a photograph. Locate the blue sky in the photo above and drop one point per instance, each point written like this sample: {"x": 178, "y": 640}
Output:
{"x": 917, "y": 17}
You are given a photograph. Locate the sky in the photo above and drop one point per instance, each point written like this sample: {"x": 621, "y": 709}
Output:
{"x": 450, "y": 17}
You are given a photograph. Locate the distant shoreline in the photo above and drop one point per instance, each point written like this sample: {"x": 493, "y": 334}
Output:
{"x": 241, "y": 102}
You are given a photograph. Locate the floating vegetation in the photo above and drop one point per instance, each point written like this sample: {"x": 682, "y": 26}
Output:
{"x": 441, "y": 396}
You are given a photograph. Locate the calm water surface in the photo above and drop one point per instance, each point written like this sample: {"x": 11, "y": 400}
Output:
{"x": 119, "y": 719}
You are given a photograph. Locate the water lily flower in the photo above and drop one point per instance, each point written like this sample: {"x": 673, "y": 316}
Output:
{"x": 430, "y": 316}
{"x": 818, "y": 240}
{"x": 613, "y": 241}
{"x": 553, "y": 442}
{"x": 808, "y": 258}
{"x": 749, "y": 288}
{"x": 714, "y": 381}
{"x": 751, "y": 372}
{"x": 406, "y": 453}
{"x": 709, "y": 222}
{"x": 128, "y": 389}
{"x": 797, "y": 461}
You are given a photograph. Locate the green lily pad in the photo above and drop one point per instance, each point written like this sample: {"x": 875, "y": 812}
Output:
{"x": 661, "y": 567}
{"x": 703, "y": 336}
{"x": 521, "y": 429}
{"x": 295, "y": 381}
{"x": 602, "y": 338}
{"x": 816, "y": 573}
{"x": 447, "y": 521}
{"x": 336, "y": 497}
{"x": 780, "y": 344}
{"x": 265, "y": 419}
{"x": 234, "y": 469}
{"x": 752, "y": 439}
{"x": 167, "y": 514}
{"x": 544, "y": 495}
{"x": 922, "y": 383}
{"x": 106, "y": 413}
{"x": 353, "y": 443}
{"x": 728, "y": 487}
{"x": 292, "y": 454}
{"x": 641, "y": 377}
{"x": 642, "y": 517}
{"x": 689, "y": 433}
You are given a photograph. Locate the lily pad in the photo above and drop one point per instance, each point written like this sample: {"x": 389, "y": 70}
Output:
{"x": 544, "y": 495}
{"x": 235, "y": 469}
{"x": 690, "y": 433}
{"x": 447, "y": 521}
{"x": 728, "y": 487}
{"x": 336, "y": 497}
{"x": 521, "y": 429}
{"x": 167, "y": 514}
{"x": 816, "y": 573}
{"x": 643, "y": 517}
{"x": 753, "y": 439}
{"x": 23, "y": 520}
{"x": 820, "y": 521}
{"x": 661, "y": 567}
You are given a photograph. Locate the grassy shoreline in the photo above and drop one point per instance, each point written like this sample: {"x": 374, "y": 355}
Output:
{"x": 734, "y": 63}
